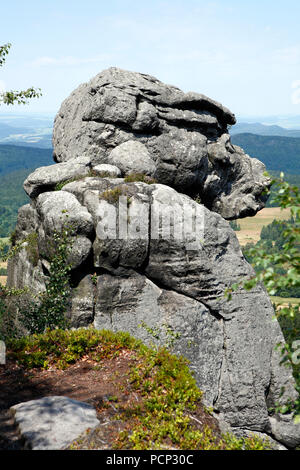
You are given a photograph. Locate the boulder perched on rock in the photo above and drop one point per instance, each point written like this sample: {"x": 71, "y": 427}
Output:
{"x": 146, "y": 256}
{"x": 139, "y": 124}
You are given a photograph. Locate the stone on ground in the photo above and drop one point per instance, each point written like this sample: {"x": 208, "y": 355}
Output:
{"x": 53, "y": 422}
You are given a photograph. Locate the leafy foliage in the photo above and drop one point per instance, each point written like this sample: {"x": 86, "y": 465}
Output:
{"x": 277, "y": 266}
{"x": 4, "y": 50}
{"x": 19, "y": 97}
{"x": 293, "y": 180}
{"x": 61, "y": 348}
{"x": 47, "y": 310}
{"x": 273, "y": 237}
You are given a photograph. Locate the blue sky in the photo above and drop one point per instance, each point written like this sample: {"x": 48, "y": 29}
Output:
{"x": 243, "y": 53}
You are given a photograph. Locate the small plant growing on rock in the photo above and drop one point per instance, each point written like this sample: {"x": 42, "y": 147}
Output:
{"x": 139, "y": 177}
{"x": 112, "y": 195}
{"x": 94, "y": 278}
{"x": 61, "y": 184}
{"x": 166, "y": 331}
{"x": 19, "y": 309}
{"x": 101, "y": 174}
{"x": 32, "y": 248}
{"x": 50, "y": 308}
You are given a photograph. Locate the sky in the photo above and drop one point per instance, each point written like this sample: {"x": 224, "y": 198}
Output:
{"x": 242, "y": 53}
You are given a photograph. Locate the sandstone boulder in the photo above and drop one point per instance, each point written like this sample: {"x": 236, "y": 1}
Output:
{"x": 53, "y": 423}
{"x": 150, "y": 257}
{"x": 136, "y": 122}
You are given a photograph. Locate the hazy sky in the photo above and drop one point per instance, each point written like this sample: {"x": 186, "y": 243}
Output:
{"x": 243, "y": 53}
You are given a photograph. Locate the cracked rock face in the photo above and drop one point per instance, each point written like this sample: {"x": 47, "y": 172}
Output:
{"x": 148, "y": 256}
{"x": 167, "y": 279}
{"x": 139, "y": 124}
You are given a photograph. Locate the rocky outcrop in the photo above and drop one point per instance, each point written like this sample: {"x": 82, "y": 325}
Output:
{"x": 149, "y": 258}
{"x": 139, "y": 124}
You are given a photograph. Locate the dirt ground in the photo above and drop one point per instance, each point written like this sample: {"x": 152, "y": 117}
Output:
{"x": 106, "y": 386}
{"x": 99, "y": 385}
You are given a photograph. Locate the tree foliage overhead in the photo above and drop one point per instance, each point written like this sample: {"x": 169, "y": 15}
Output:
{"x": 15, "y": 97}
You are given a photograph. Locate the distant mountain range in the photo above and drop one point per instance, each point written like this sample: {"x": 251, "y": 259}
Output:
{"x": 285, "y": 121}
{"x": 26, "y": 130}
{"x": 36, "y": 130}
{"x": 261, "y": 129}
{"x": 277, "y": 153}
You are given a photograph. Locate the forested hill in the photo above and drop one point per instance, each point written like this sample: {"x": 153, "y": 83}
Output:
{"x": 16, "y": 163}
{"x": 277, "y": 153}
{"x": 15, "y": 157}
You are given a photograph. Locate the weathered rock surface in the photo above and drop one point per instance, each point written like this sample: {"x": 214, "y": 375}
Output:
{"x": 107, "y": 170}
{"x": 148, "y": 256}
{"x": 22, "y": 271}
{"x": 174, "y": 282}
{"x": 138, "y": 123}
{"x": 52, "y": 207}
{"x": 133, "y": 157}
{"x": 53, "y": 423}
{"x": 46, "y": 178}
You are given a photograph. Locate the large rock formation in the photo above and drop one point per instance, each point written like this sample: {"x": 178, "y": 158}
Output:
{"x": 142, "y": 125}
{"x": 148, "y": 256}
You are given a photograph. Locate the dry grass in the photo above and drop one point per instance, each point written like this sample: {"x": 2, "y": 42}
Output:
{"x": 3, "y": 278}
{"x": 251, "y": 226}
{"x": 285, "y": 301}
